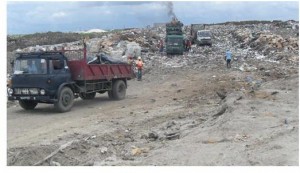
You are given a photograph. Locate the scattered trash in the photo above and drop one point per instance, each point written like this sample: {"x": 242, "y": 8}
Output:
{"x": 221, "y": 111}
{"x": 103, "y": 150}
{"x": 172, "y": 135}
{"x": 170, "y": 124}
{"x": 274, "y": 92}
{"x": 53, "y": 163}
{"x": 239, "y": 137}
{"x": 90, "y": 137}
{"x": 138, "y": 151}
{"x": 152, "y": 136}
{"x": 221, "y": 94}
{"x": 247, "y": 68}
{"x": 248, "y": 79}
{"x": 240, "y": 98}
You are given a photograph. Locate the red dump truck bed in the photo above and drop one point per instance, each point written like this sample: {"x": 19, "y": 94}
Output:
{"x": 80, "y": 70}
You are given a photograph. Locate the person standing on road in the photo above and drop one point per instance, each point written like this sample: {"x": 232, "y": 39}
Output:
{"x": 189, "y": 45}
{"x": 139, "y": 65}
{"x": 131, "y": 62}
{"x": 228, "y": 58}
{"x": 161, "y": 46}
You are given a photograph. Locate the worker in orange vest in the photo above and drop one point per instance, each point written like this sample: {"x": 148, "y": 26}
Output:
{"x": 139, "y": 65}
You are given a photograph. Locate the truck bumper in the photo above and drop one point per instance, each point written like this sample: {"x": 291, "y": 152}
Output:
{"x": 205, "y": 42}
{"x": 40, "y": 99}
{"x": 174, "y": 51}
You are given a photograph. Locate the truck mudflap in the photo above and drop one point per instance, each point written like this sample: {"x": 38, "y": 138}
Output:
{"x": 46, "y": 99}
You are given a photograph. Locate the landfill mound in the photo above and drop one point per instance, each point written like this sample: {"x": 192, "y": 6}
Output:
{"x": 188, "y": 109}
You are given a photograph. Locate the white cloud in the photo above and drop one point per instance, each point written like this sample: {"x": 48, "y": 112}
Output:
{"x": 59, "y": 14}
{"x": 107, "y": 12}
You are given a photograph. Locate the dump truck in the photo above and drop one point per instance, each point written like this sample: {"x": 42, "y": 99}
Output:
{"x": 174, "y": 37}
{"x": 204, "y": 38}
{"x": 194, "y": 29}
{"x": 61, "y": 76}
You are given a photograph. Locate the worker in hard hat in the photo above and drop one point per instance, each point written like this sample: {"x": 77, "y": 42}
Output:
{"x": 139, "y": 65}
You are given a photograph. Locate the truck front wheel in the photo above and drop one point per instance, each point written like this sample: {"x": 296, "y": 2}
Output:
{"x": 27, "y": 104}
{"x": 65, "y": 100}
{"x": 119, "y": 90}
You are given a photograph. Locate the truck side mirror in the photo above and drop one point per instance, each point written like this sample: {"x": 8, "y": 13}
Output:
{"x": 12, "y": 63}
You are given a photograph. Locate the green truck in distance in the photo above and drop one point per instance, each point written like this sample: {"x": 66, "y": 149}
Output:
{"x": 174, "y": 37}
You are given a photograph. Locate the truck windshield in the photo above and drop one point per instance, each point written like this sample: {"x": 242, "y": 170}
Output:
{"x": 204, "y": 34}
{"x": 174, "y": 41}
{"x": 30, "y": 66}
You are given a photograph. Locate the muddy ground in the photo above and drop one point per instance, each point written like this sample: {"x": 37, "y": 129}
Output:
{"x": 178, "y": 116}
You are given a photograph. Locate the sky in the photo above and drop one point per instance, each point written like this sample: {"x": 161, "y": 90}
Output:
{"x": 26, "y": 17}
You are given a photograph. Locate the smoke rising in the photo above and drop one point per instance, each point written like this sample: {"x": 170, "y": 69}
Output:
{"x": 170, "y": 9}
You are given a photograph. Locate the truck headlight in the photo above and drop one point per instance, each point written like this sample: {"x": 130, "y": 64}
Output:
{"x": 10, "y": 91}
{"x": 43, "y": 92}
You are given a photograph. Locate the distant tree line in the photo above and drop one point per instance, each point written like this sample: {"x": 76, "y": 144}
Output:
{"x": 49, "y": 38}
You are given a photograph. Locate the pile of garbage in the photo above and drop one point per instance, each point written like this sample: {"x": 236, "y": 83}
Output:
{"x": 270, "y": 42}
{"x": 267, "y": 41}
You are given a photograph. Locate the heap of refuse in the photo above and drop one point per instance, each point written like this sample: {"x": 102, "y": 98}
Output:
{"x": 264, "y": 41}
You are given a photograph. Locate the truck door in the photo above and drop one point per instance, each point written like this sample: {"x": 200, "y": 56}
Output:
{"x": 58, "y": 72}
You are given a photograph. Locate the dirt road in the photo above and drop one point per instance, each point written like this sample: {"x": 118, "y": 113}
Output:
{"x": 179, "y": 117}
{"x": 188, "y": 110}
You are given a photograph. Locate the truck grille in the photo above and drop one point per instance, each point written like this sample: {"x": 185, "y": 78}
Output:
{"x": 26, "y": 91}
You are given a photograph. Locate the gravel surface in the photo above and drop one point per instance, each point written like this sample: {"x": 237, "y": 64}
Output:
{"x": 188, "y": 109}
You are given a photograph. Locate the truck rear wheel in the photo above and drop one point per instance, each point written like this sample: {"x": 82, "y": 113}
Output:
{"x": 65, "y": 100}
{"x": 119, "y": 90}
{"x": 27, "y": 104}
{"x": 87, "y": 96}
{"x": 110, "y": 95}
